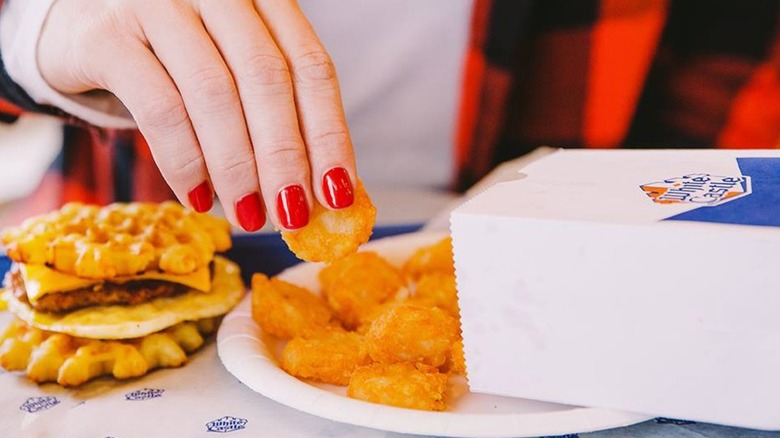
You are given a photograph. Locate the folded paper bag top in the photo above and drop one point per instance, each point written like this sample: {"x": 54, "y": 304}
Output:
{"x": 646, "y": 281}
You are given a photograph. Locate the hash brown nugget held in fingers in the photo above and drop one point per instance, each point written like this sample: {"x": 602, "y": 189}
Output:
{"x": 334, "y": 234}
{"x": 330, "y": 358}
{"x": 404, "y": 385}
{"x": 437, "y": 289}
{"x": 286, "y": 310}
{"x": 436, "y": 258}
{"x": 357, "y": 285}
{"x": 412, "y": 333}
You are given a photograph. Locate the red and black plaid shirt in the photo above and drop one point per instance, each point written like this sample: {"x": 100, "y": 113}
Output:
{"x": 570, "y": 73}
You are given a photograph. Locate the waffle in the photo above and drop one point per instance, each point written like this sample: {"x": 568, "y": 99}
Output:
{"x": 118, "y": 239}
{"x": 70, "y": 361}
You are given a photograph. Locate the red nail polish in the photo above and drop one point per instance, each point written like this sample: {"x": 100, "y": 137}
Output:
{"x": 249, "y": 211}
{"x": 291, "y": 207}
{"x": 337, "y": 188}
{"x": 201, "y": 197}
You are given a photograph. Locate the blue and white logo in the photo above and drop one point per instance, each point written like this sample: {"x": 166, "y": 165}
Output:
{"x": 698, "y": 188}
{"x": 144, "y": 394}
{"x": 725, "y": 199}
{"x": 37, "y": 404}
{"x": 226, "y": 424}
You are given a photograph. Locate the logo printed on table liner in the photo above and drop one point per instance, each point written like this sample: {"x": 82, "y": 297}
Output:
{"x": 38, "y": 404}
{"x": 144, "y": 394}
{"x": 699, "y": 188}
{"x": 226, "y": 424}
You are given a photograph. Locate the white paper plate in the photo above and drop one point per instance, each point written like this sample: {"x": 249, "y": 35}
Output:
{"x": 250, "y": 355}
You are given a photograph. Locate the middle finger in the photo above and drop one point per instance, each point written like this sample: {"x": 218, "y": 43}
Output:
{"x": 212, "y": 102}
{"x": 265, "y": 84}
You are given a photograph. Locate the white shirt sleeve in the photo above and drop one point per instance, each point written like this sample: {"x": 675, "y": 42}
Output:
{"x": 21, "y": 22}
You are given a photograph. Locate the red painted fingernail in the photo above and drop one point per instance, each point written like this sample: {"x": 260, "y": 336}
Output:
{"x": 249, "y": 211}
{"x": 337, "y": 188}
{"x": 291, "y": 207}
{"x": 201, "y": 197}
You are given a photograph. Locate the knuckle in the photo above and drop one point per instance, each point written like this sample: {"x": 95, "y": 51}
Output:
{"x": 163, "y": 113}
{"x": 187, "y": 163}
{"x": 213, "y": 87}
{"x": 236, "y": 167}
{"x": 332, "y": 142}
{"x": 314, "y": 68}
{"x": 285, "y": 153}
{"x": 264, "y": 69}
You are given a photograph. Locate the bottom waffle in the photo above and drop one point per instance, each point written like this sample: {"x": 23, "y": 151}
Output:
{"x": 70, "y": 361}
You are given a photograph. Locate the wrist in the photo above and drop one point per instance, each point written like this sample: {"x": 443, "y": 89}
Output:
{"x": 21, "y": 26}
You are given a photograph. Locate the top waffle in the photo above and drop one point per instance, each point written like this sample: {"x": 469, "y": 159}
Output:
{"x": 118, "y": 239}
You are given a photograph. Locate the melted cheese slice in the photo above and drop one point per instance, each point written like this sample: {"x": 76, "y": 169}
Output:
{"x": 40, "y": 280}
{"x": 123, "y": 322}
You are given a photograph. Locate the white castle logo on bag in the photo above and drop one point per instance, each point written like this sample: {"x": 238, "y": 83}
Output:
{"x": 698, "y": 188}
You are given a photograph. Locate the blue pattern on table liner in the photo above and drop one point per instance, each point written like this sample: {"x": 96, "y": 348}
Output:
{"x": 144, "y": 394}
{"x": 226, "y": 424}
{"x": 38, "y": 404}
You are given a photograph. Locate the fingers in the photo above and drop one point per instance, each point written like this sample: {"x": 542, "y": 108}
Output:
{"x": 242, "y": 103}
{"x": 152, "y": 98}
{"x": 264, "y": 83}
{"x": 212, "y": 102}
{"x": 318, "y": 101}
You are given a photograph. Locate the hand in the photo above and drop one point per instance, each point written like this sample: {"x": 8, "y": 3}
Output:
{"x": 233, "y": 96}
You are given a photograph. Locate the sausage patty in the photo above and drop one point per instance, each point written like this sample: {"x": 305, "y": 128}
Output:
{"x": 101, "y": 294}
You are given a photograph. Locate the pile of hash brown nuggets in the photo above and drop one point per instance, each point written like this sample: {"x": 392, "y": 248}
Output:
{"x": 390, "y": 335}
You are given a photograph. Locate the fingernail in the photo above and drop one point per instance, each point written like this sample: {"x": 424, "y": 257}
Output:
{"x": 337, "y": 188}
{"x": 291, "y": 207}
{"x": 249, "y": 211}
{"x": 201, "y": 197}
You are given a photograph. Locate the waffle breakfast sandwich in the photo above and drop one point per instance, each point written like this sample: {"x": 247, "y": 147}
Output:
{"x": 116, "y": 290}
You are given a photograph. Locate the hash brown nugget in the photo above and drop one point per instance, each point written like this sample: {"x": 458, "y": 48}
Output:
{"x": 330, "y": 358}
{"x": 333, "y": 234}
{"x": 285, "y": 310}
{"x": 412, "y": 333}
{"x": 378, "y": 311}
{"x": 456, "y": 364}
{"x": 357, "y": 285}
{"x": 404, "y": 385}
{"x": 430, "y": 259}
{"x": 437, "y": 289}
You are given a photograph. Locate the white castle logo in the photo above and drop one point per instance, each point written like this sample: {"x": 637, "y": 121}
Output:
{"x": 698, "y": 188}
